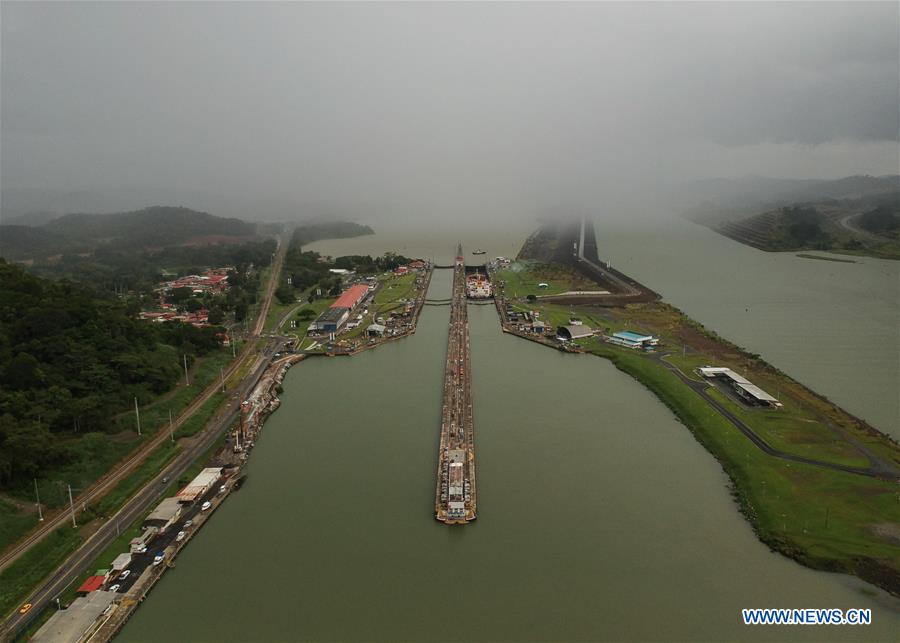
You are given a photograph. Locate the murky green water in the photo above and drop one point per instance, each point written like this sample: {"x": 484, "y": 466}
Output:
{"x": 600, "y": 517}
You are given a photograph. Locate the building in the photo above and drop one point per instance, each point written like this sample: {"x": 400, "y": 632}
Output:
{"x": 121, "y": 562}
{"x": 351, "y": 297}
{"x": 77, "y": 622}
{"x": 92, "y": 584}
{"x": 375, "y": 330}
{"x": 537, "y": 326}
{"x": 573, "y": 331}
{"x": 337, "y": 315}
{"x": 330, "y": 320}
{"x": 139, "y": 544}
{"x": 634, "y": 340}
{"x": 164, "y": 515}
{"x": 199, "y": 485}
{"x": 745, "y": 389}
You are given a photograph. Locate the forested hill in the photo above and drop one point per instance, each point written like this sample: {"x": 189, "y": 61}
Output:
{"x": 154, "y": 227}
{"x": 314, "y": 231}
{"x": 69, "y": 361}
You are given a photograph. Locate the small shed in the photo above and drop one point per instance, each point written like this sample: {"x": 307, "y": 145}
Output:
{"x": 121, "y": 562}
{"x": 92, "y": 584}
{"x": 375, "y": 330}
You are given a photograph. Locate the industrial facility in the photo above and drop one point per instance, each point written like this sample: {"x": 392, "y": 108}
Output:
{"x": 573, "y": 331}
{"x": 636, "y": 341}
{"x": 744, "y": 388}
{"x": 338, "y": 313}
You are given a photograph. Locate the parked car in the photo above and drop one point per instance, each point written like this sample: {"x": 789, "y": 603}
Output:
{"x": 180, "y": 536}
{"x": 222, "y": 489}
{"x": 206, "y": 505}
{"x": 160, "y": 557}
{"x": 188, "y": 524}
{"x": 124, "y": 574}
{"x": 114, "y": 588}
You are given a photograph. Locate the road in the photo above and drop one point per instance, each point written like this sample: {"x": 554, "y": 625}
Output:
{"x": 847, "y": 224}
{"x": 77, "y": 562}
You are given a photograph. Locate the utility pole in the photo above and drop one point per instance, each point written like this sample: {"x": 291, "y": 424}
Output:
{"x": 232, "y": 347}
{"x": 187, "y": 380}
{"x": 137, "y": 415}
{"x": 171, "y": 428}
{"x": 72, "y": 507}
{"x": 222, "y": 373}
{"x": 38, "y": 497}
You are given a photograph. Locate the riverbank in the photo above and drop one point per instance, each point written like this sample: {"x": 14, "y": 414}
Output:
{"x": 234, "y": 454}
{"x": 825, "y": 518}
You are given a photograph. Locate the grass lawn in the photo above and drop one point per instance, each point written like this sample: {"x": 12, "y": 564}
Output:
{"x": 522, "y": 279}
{"x": 14, "y": 523}
{"x": 18, "y": 579}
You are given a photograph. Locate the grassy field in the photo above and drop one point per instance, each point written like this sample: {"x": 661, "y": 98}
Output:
{"x": 522, "y": 279}
{"x": 14, "y": 522}
{"x": 19, "y": 578}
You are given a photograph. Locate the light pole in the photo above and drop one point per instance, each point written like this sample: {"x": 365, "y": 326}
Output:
{"x": 137, "y": 415}
{"x": 72, "y": 507}
{"x": 38, "y": 498}
{"x": 187, "y": 380}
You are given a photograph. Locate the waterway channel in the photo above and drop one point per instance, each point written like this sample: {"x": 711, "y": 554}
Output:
{"x": 600, "y": 517}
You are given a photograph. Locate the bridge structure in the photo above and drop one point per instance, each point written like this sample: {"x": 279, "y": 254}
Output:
{"x": 454, "y": 497}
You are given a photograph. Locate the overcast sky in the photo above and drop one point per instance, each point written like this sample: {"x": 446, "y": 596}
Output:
{"x": 439, "y": 108}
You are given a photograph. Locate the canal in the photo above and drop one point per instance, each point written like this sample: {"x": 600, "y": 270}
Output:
{"x": 600, "y": 517}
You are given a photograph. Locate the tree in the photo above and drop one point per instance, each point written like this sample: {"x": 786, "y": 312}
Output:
{"x": 285, "y": 294}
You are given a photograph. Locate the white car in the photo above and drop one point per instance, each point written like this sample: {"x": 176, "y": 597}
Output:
{"x": 114, "y": 588}
{"x": 124, "y": 574}
{"x": 180, "y": 536}
{"x": 206, "y": 505}
{"x": 188, "y": 524}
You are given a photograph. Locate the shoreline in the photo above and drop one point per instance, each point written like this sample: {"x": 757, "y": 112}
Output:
{"x": 708, "y": 433}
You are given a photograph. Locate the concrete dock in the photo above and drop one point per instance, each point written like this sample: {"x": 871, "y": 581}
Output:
{"x": 454, "y": 501}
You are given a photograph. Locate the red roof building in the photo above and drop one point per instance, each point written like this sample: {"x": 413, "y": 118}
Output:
{"x": 351, "y": 297}
{"x": 92, "y": 584}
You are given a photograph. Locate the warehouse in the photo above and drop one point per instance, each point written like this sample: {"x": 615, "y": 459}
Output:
{"x": 351, "y": 297}
{"x": 165, "y": 514}
{"x": 634, "y": 340}
{"x": 573, "y": 331}
{"x": 375, "y": 330}
{"x": 745, "y": 389}
{"x": 121, "y": 562}
{"x": 330, "y": 320}
{"x": 76, "y": 622}
{"x": 199, "y": 485}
